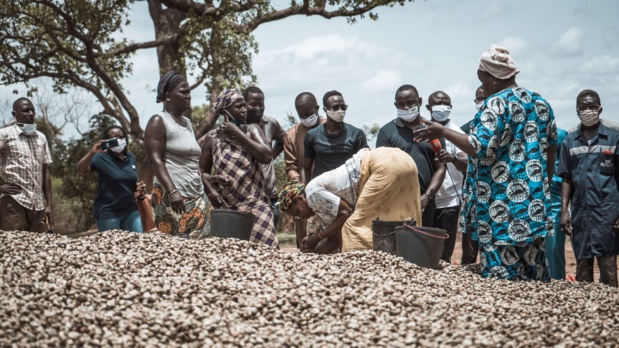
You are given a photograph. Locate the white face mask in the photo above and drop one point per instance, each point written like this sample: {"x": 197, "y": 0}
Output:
{"x": 28, "y": 128}
{"x": 337, "y": 116}
{"x": 589, "y": 117}
{"x": 310, "y": 122}
{"x": 479, "y": 105}
{"x": 408, "y": 115}
{"x": 440, "y": 113}
{"x": 121, "y": 146}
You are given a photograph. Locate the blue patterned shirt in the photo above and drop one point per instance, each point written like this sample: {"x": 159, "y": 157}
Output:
{"x": 506, "y": 194}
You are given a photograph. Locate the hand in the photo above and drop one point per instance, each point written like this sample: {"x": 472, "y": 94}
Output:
{"x": 224, "y": 180}
{"x": 566, "y": 223}
{"x": 433, "y": 130}
{"x": 310, "y": 242}
{"x": 49, "y": 215}
{"x": 217, "y": 200}
{"x": 140, "y": 190}
{"x": 445, "y": 157}
{"x": 176, "y": 201}
{"x": 97, "y": 147}
{"x": 424, "y": 200}
{"x": 10, "y": 189}
{"x": 231, "y": 129}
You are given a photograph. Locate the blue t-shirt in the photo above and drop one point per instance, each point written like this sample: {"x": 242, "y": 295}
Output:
{"x": 117, "y": 180}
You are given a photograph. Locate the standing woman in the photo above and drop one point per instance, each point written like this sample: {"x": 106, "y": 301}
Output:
{"x": 233, "y": 153}
{"x": 114, "y": 206}
{"x": 173, "y": 152}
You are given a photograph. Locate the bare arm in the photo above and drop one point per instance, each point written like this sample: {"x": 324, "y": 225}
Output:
{"x": 279, "y": 138}
{"x": 47, "y": 191}
{"x": 206, "y": 166}
{"x": 308, "y": 163}
{"x": 566, "y": 192}
{"x": 155, "y": 144}
{"x": 255, "y": 141}
{"x": 551, "y": 158}
{"x": 83, "y": 166}
{"x": 435, "y": 184}
{"x": 435, "y": 130}
{"x": 290, "y": 159}
{"x": 344, "y": 211}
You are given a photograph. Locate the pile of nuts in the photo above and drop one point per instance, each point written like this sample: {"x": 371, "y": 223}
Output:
{"x": 127, "y": 289}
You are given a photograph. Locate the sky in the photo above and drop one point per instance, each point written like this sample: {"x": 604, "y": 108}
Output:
{"x": 561, "y": 47}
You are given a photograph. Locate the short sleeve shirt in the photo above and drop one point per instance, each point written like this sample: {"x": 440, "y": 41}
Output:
{"x": 506, "y": 193}
{"x": 330, "y": 151}
{"x": 21, "y": 163}
{"x": 594, "y": 171}
{"x": 396, "y": 134}
{"x": 324, "y": 193}
{"x": 117, "y": 181}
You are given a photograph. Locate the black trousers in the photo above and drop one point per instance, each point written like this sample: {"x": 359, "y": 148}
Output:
{"x": 608, "y": 270}
{"x": 470, "y": 249}
{"x": 447, "y": 219}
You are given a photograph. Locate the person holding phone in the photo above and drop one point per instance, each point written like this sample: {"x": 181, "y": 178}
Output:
{"x": 114, "y": 206}
{"x": 172, "y": 149}
{"x": 230, "y": 161}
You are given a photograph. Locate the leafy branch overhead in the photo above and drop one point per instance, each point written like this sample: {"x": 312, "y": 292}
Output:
{"x": 82, "y": 43}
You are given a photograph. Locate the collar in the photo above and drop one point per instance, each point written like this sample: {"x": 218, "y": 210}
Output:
{"x": 21, "y": 131}
{"x": 399, "y": 123}
{"x": 602, "y": 131}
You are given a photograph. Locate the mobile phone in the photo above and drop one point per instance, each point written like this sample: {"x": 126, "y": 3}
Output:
{"x": 108, "y": 144}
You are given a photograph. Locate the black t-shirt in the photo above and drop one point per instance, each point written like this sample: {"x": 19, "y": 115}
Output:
{"x": 330, "y": 151}
{"x": 392, "y": 135}
{"x": 117, "y": 180}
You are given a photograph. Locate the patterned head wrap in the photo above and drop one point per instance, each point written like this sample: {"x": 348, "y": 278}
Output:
{"x": 226, "y": 98}
{"x": 289, "y": 192}
{"x": 498, "y": 63}
{"x": 168, "y": 82}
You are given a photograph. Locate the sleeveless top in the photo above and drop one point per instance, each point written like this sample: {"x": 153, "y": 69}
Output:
{"x": 181, "y": 156}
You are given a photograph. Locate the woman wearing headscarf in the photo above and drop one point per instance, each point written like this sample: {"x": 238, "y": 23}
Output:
{"x": 380, "y": 183}
{"x": 174, "y": 153}
{"x": 114, "y": 206}
{"x": 506, "y": 197}
{"x": 230, "y": 162}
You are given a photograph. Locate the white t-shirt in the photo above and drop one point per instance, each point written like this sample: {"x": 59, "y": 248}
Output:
{"x": 324, "y": 192}
{"x": 451, "y": 190}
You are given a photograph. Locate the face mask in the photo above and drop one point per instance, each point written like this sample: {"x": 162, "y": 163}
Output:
{"x": 479, "y": 105}
{"x": 310, "y": 122}
{"x": 589, "y": 117}
{"x": 28, "y": 128}
{"x": 408, "y": 115}
{"x": 337, "y": 116}
{"x": 441, "y": 112}
{"x": 121, "y": 146}
{"x": 254, "y": 116}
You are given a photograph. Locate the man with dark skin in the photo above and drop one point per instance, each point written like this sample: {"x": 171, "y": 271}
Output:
{"x": 589, "y": 166}
{"x": 448, "y": 198}
{"x": 480, "y": 96}
{"x": 399, "y": 133}
{"x": 307, "y": 108}
{"x": 330, "y": 145}
{"x": 274, "y": 135}
{"x": 26, "y": 197}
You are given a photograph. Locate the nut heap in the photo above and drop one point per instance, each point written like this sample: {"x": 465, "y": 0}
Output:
{"x": 128, "y": 289}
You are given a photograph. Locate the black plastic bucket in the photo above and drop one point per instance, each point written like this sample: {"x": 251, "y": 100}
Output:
{"x": 226, "y": 223}
{"x": 422, "y": 246}
{"x": 383, "y": 235}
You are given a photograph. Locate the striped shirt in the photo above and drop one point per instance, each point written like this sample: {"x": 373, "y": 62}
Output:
{"x": 21, "y": 163}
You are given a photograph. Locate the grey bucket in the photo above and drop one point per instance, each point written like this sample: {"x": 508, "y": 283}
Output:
{"x": 383, "y": 235}
{"x": 226, "y": 223}
{"x": 422, "y": 246}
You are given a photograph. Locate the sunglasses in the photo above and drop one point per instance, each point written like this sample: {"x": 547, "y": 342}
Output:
{"x": 338, "y": 107}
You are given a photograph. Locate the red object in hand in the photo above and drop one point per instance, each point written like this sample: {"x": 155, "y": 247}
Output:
{"x": 436, "y": 145}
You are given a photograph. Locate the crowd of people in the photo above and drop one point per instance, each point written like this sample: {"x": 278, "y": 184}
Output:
{"x": 509, "y": 180}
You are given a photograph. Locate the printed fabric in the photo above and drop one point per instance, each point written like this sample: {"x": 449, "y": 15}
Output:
{"x": 192, "y": 224}
{"x": 246, "y": 191}
{"x": 506, "y": 194}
